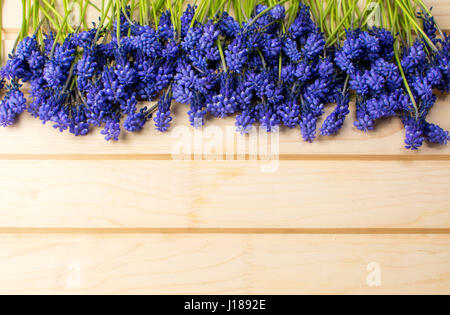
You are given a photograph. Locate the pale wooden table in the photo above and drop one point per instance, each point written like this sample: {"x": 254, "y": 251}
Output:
{"x": 79, "y": 215}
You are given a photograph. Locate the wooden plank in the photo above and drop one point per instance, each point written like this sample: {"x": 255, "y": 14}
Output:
{"x": 223, "y": 264}
{"x": 224, "y": 194}
{"x": 28, "y": 136}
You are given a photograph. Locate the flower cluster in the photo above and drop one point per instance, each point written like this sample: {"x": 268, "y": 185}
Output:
{"x": 88, "y": 81}
{"x": 262, "y": 71}
{"x": 367, "y": 58}
{"x": 427, "y": 70}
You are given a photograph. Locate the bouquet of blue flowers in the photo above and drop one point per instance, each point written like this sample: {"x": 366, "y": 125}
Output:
{"x": 268, "y": 62}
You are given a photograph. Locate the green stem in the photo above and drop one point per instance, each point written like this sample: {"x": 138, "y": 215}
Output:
{"x": 405, "y": 81}
{"x": 118, "y": 8}
{"x": 264, "y": 12}
{"x": 51, "y": 7}
{"x": 61, "y": 29}
{"x": 222, "y": 56}
{"x": 416, "y": 25}
{"x": 332, "y": 39}
{"x": 102, "y": 20}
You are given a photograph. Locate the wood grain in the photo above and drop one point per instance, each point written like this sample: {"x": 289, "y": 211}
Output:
{"x": 79, "y": 215}
{"x": 224, "y": 194}
{"x": 222, "y": 264}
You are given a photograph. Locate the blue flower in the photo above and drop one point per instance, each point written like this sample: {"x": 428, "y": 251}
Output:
{"x": 164, "y": 77}
{"x": 287, "y": 74}
{"x": 16, "y": 68}
{"x": 136, "y": 121}
{"x": 12, "y": 105}
{"x": 191, "y": 39}
{"x": 61, "y": 119}
{"x": 263, "y": 20}
{"x": 302, "y": 24}
{"x": 7, "y": 115}
{"x": 228, "y": 25}
{"x": 54, "y": 74}
{"x": 38, "y": 95}
{"x": 165, "y": 29}
{"x": 236, "y": 55}
{"x": 314, "y": 46}
{"x": 128, "y": 104}
{"x": 185, "y": 85}
{"x": 49, "y": 39}
{"x": 148, "y": 43}
{"x": 84, "y": 39}
{"x": 290, "y": 49}
{"x": 414, "y": 133}
{"x": 353, "y": 47}
{"x": 64, "y": 55}
{"x": 244, "y": 121}
{"x": 271, "y": 46}
{"x": 318, "y": 89}
{"x": 26, "y": 47}
{"x": 429, "y": 25}
{"x": 423, "y": 89}
{"x": 435, "y": 134}
{"x": 379, "y": 107}
{"x": 359, "y": 84}
{"x": 278, "y": 12}
{"x": 325, "y": 68}
{"x": 85, "y": 70}
{"x": 369, "y": 42}
{"x": 334, "y": 122}
{"x": 344, "y": 63}
{"x": 289, "y": 114}
{"x": 78, "y": 124}
{"x": 303, "y": 72}
{"x": 434, "y": 76}
{"x": 414, "y": 57}
{"x": 163, "y": 116}
{"x": 209, "y": 36}
{"x": 125, "y": 73}
{"x": 268, "y": 118}
{"x": 112, "y": 130}
{"x": 198, "y": 60}
{"x": 15, "y": 100}
{"x": 363, "y": 120}
{"x": 170, "y": 51}
{"x": 374, "y": 81}
{"x": 36, "y": 61}
{"x": 222, "y": 106}
{"x": 50, "y": 107}
{"x": 308, "y": 125}
{"x": 196, "y": 113}
{"x": 186, "y": 19}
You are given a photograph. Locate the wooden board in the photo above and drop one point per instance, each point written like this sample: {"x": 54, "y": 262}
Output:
{"x": 79, "y": 215}
{"x": 223, "y": 264}
{"x": 225, "y": 194}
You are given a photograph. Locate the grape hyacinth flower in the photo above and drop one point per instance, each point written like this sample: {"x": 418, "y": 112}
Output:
{"x": 163, "y": 116}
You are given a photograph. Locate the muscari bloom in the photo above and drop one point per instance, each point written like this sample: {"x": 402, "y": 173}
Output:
{"x": 163, "y": 116}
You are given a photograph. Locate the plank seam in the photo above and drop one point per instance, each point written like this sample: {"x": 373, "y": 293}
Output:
{"x": 282, "y": 157}
{"x": 300, "y": 231}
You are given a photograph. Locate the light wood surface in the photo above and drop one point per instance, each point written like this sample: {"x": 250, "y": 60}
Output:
{"x": 224, "y": 194}
{"x": 223, "y": 263}
{"x": 79, "y": 215}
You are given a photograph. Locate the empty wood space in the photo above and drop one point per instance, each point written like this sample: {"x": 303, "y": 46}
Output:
{"x": 80, "y": 215}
